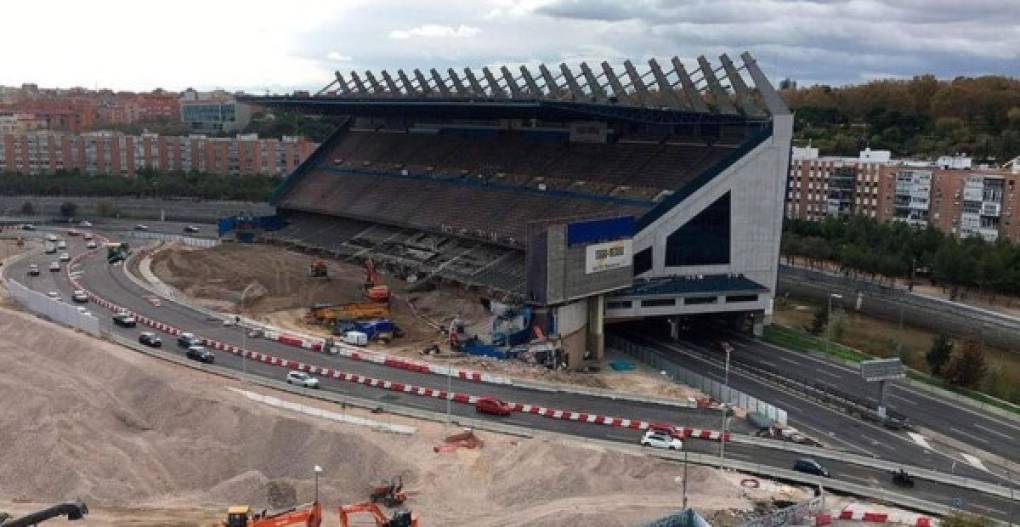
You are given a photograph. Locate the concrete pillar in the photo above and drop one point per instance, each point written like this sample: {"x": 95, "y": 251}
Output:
{"x": 758, "y": 323}
{"x": 596, "y": 341}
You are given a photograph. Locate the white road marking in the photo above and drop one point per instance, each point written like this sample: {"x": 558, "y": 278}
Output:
{"x": 987, "y": 508}
{"x": 963, "y": 407}
{"x": 767, "y": 363}
{"x": 919, "y": 439}
{"x": 828, "y": 373}
{"x": 970, "y": 435}
{"x": 786, "y": 359}
{"x": 993, "y": 432}
{"x": 875, "y": 442}
{"x": 903, "y": 399}
{"x": 975, "y": 462}
{"x": 857, "y": 478}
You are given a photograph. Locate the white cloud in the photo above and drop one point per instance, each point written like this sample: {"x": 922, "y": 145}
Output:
{"x": 435, "y": 31}
{"x": 336, "y": 56}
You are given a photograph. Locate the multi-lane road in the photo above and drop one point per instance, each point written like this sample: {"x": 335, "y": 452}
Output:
{"x": 111, "y": 283}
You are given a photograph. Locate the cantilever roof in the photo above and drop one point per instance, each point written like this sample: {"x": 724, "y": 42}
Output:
{"x": 654, "y": 94}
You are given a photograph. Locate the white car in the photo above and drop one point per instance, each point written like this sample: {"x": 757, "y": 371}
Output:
{"x": 61, "y": 245}
{"x": 64, "y": 257}
{"x": 54, "y": 295}
{"x": 80, "y": 296}
{"x": 54, "y": 266}
{"x": 657, "y": 439}
{"x": 301, "y": 378}
{"x": 85, "y": 224}
{"x": 91, "y": 245}
{"x": 87, "y": 236}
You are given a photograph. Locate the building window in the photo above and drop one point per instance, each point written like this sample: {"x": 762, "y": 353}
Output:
{"x": 643, "y": 261}
{"x": 619, "y": 304}
{"x": 695, "y": 300}
{"x": 704, "y": 240}
{"x": 658, "y": 302}
{"x": 741, "y": 298}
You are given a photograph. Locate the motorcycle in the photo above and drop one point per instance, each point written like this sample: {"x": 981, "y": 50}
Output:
{"x": 902, "y": 479}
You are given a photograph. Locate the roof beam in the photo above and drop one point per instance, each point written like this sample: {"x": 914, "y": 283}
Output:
{"x": 494, "y": 86}
{"x": 473, "y": 82}
{"x": 744, "y": 98}
{"x": 768, "y": 94}
{"x": 637, "y": 83}
{"x": 614, "y": 82}
{"x": 511, "y": 83}
{"x": 722, "y": 98}
{"x": 358, "y": 84}
{"x": 423, "y": 83}
{"x": 593, "y": 83}
{"x": 666, "y": 92}
{"x": 694, "y": 97}
{"x": 575, "y": 89}
{"x": 529, "y": 82}
{"x": 341, "y": 84}
{"x": 458, "y": 86}
{"x": 392, "y": 86}
{"x": 376, "y": 87}
{"x": 550, "y": 82}
{"x": 444, "y": 90}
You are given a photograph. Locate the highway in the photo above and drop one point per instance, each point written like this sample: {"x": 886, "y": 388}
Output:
{"x": 111, "y": 283}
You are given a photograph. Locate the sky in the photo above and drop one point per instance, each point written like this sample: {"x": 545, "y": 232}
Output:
{"x": 278, "y": 46}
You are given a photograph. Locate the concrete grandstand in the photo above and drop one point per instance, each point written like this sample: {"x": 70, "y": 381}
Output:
{"x": 590, "y": 198}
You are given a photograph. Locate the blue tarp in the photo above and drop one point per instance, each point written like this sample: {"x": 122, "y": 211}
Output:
{"x": 600, "y": 230}
{"x": 484, "y": 350}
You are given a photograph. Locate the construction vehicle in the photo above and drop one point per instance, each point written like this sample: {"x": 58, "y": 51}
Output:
{"x": 375, "y": 290}
{"x": 74, "y": 510}
{"x": 375, "y": 329}
{"x": 400, "y": 518}
{"x": 329, "y": 314}
{"x": 318, "y": 269}
{"x": 390, "y": 494}
{"x": 242, "y": 516}
{"x": 116, "y": 252}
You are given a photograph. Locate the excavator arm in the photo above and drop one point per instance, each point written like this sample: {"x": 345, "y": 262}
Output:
{"x": 74, "y": 510}
{"x": 308, "y": 517}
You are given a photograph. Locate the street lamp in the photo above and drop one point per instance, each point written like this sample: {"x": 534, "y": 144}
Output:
{"x": 828, "y": 320}
{"x": 244, "y": 335}
{"x": 682, "y": 480}
{"x": 318, "y": 470}
{"x": 725, "y": 408}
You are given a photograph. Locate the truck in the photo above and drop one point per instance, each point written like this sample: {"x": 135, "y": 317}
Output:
{"x": 355, "y": 338}
{"x": 376, "y": 329}
{"x": 329, "y": 314}
{"x": 116, "y": 252}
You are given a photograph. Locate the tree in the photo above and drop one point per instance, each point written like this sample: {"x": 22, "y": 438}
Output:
{"x": 28, "y": 209}
{"x": 106, "y": 209}
{"x": 68, "y": 209}
{"x": 819, "y": 323}
{"x": 963, "y": 519}
{"x": 939, "y": 354}
{"x": 968, "y": 367}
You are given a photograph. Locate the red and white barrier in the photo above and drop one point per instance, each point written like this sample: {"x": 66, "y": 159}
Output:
{"x": 873, "y": 514}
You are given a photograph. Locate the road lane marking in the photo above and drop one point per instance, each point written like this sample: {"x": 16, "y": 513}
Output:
{"x": 993, "y": 432}
{"x": 967, "y": 434}
{"x": 875, "y": 442}
{"x": 828, "y": 373}
{"x": 920, "y": 439}
{"x": 786, "y": 359}
{"x": 974, "y": 461}
{"x": 767, "y": 363}
{"x": 903, "y": 399}
{"x": 987, "y": 508}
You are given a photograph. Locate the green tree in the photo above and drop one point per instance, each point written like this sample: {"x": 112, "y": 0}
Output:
{"x": 967, "y": 368}
{"x": 106, "y": 209}
{"x": 939, "y": 354}
{"x": 68, "y": 209}
{"x": 28, "y": 209}
{"x": 819, "y": 323}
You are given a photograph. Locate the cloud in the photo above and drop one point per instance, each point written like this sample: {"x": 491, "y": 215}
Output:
{"x": 435, "y": 31}
{"x": 336, "y": 56}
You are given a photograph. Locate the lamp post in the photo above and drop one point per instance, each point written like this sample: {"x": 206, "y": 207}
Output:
{"x": 318, "y": 470}
{"x": 828, "y": 320}
{"x": 725, "y": 406}
{"x": 244, "y": 335}
{"x": 449, "y": 387}
{"x": 682, "y": 480}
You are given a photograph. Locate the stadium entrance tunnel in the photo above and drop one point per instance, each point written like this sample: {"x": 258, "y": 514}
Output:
{"x": 698, "y": 328}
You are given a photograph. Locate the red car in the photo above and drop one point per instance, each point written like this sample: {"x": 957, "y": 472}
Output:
{"x": 492, "y": 405}
{"x": 665, "y": 429}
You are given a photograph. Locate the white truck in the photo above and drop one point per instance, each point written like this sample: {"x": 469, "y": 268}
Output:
{"x": 355, "y": 338}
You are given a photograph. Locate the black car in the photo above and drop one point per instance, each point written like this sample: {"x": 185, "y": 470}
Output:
{"x": 28, "y": 227}
{"x": 191, "y": 229}
{"x": 810, "y": 466}
{"x": 150, "y": 339}
{"x": 33, "y": 270}
{"x": 200, "y": 354}
{"x": 187, "y": 340}
{"x": 125, "y": 320}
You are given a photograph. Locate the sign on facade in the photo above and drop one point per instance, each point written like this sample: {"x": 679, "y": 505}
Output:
{"x": 608, "y": 256}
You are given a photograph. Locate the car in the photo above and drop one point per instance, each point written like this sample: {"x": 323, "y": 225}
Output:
{"x": 187, "y": 340}
{"x": 810, "y": 466}
{"x": 80, "y": 296}
{"x": 491, "y": 405}
{"x": 62, "y": 245}
{"x": 85, "y": 223}
{"x": 87, "y": 236}
{"x": 54, "y": 266}
{"x": 301, "y": 378}
{"x": 54, "y": 295}
{"x": 91, "y": 245}
{"x": 85, "y": 312}
{"x": 666, "y": 429}
{"x": 191, "y": 229}
{"x": 150, "y": 339}
{"x": 141, "y": 227}
{"x": 658, "y": 439}
{"x": 73, "y": 232}
{"x": 125, "y": 320}
{"x": 201, "y": 354}
{"x": 51, "y": 237}
{"x": 64, "y": 257}
{"x": 28, "y": 227}
{"x": 50, "y": 248}
{"x": 33, "y": 270}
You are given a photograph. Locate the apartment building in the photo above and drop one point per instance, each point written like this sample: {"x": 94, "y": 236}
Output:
{"x": 948, "y": 193}
{"x": 123, "y": 155}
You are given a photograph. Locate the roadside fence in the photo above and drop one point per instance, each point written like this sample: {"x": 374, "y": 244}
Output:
{"x": 177, "y": 238}
{"x": 56, "y": 310}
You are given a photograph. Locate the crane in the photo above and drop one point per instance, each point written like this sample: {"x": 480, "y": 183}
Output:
{"x": 74, "y": 510}
{"x": 400, "y": 518}
{"x": 242, "y": 516}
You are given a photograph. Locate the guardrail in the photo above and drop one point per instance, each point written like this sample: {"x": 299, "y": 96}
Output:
{"x": 176, "y": 238}
{"x": 41, "y": 304}
{"x": 682, "y": 375}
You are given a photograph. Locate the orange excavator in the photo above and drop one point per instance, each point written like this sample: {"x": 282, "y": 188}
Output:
{"x": 401, "y": 518}
{"x": 243, "y": 516}
{"x": 318, "y": 269}
{"x": 375, "y": 290}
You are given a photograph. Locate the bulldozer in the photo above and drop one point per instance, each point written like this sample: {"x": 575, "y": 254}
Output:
{"x": 400, "y": 518}
{"x": 329, "y": 314}
{"x": 318, "y": 269}
{"x": 242, "y": 516}
{"x": 375, "y": 290}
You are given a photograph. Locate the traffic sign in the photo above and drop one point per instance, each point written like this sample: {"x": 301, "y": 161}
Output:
{"x": 882, "y": 370}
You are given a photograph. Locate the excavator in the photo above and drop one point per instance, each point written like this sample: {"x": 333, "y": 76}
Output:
{"x": 400, "y": 518}
{"x": 390, "y": 493}
{"x": 375, "y": 290}
{"x": 74, "y": 510}
{"x": 318, "y": 269}
{"x": 242, "y": 516}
